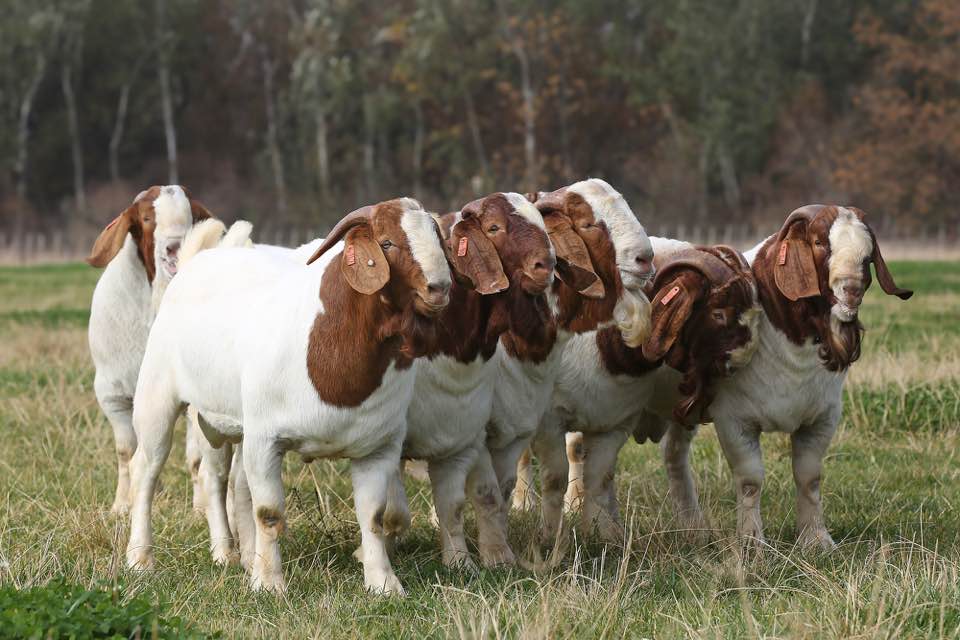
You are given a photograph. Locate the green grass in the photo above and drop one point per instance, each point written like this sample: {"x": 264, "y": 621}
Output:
{"x": 891, "y": 490}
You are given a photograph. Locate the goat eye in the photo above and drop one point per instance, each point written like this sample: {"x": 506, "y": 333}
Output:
{"x": 386, "y": 244}
{"x": 817, "y": 242}
{"x": 719, "y": 316}
{"x": 493, "y": 229}
{"x": 586, "y": 225}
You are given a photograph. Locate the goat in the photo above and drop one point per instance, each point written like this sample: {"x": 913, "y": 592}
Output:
{"x": 703, "y": 326}
{"x": 315, "y": 360}
{"x": 138, "y": 251}
{"x": 613, "y": 245}
{"x": 811, "y": 278}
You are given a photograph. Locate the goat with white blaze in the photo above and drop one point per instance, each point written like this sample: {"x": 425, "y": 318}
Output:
{"x": 139, "y": 250}
{"x": 311, "y": 359}
{"x": 617, "y": 250}
{"x": 811, "y": 278}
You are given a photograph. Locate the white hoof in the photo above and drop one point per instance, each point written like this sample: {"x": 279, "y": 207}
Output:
{"x": 497, "y": 556}
{"x": 816, "y": 540}
{"x": 271, "y": 584}
{"x": 384, "y": 584}
{"x": 140, "y": 559}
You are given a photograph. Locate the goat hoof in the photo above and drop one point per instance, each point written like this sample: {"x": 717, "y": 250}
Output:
{"x": 270, "y": 584}
{"x": 140, "y": 559}
{"x": 501, "y": 556}
{"x": 120, "y": 509}
{"x": 225, "y": 556}
{"x": 817, "y": 540}
{"x": 385, "y": 584}
{"x": 461, "y": 561}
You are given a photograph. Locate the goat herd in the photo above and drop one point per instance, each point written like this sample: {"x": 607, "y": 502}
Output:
{"x": 549, "y": 322}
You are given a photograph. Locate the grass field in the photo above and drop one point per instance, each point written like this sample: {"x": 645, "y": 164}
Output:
{"x": 891, "y": 491}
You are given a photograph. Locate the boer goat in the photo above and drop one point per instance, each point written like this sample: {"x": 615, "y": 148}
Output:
{"x": 594, "y": 222}
{"x": 703, "y": 327}
{"x": 811, "y": 278}
{"x": 312, "y": 359}
{"x": 139, "y": 250}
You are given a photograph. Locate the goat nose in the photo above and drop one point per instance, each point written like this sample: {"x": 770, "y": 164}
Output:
{"x": 173, "y": 248}
{"x": 645, "y": 264}
{"x": 853, "y": 290}
{"x": 437, "y": 293}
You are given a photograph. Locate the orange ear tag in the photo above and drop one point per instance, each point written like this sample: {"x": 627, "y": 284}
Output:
{"x": 351, "y": 255}
{"x": 783, "y": 254}
{"x": 462, "y": 247}
{"x": 665, "y": 300}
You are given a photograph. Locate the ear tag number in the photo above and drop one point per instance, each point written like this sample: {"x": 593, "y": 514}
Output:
{"x": 351, "y": 255}
{"x": 782, "y": 259}
{"x": 665, "y": 300}
{"x": 462, "y": 247}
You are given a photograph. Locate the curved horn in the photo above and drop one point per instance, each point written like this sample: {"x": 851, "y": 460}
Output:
{"x": 806, "y": 213}
{"x": 551, "y": 200}
{"x": 713, "y": 268}
{"x": 353, "y": 219}
{"x": 472, "y": 208}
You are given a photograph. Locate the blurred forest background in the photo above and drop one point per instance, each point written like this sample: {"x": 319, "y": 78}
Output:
{"x": 290, "y": 112}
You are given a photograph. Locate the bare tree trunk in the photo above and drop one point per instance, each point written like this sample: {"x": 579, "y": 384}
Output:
{"x": 116, "y": 137}
{"x": 73, "y": 128}
{"x": 565, "y": 157}
{"x": 323, "y": 156}
{"x": 369, "y": 139}
{"x": 806, "y": 31}
{"x": 21, "y": 165}
{"x": 273, "y": 144}
{"x": 529, "y": 109}
{"x": 728, "y": 174}
{"x": 166, "y": 100}
{"x": 475, "y": 133}
{"x": 703, "y": 208}
{"x": 418, "y": 150}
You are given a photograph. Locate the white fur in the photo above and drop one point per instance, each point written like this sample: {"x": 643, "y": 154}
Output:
{"x": 525, "y": 209}
{"x": 121, "y": 312}
{"x": 850, "y": 245}
{"x": 231, "y": 338}
{"x": 422, "y": 238}
{"x": 629, "y": 238}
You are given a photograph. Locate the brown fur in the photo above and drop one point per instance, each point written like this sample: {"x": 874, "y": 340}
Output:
{"x": 358, "y": 335}
{"x": 140, "y": 221}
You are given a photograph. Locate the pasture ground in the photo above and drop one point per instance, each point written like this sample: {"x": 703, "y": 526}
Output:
{"x": 891, "y": 488}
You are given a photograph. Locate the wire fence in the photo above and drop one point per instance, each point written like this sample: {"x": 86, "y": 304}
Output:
{"x": 62, "y": 247}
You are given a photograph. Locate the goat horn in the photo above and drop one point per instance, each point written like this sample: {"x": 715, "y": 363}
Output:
{"x": 353, "y": 219}
{"x": 472, "y": 208}
{"x": 551, "y": 200}
{"x": 713, "y": 268}
{"x": 806, "y": 213}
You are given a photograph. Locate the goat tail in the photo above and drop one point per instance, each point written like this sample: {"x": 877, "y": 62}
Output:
{"x": 203, "y": 235}
{"x": 238, "y": 235}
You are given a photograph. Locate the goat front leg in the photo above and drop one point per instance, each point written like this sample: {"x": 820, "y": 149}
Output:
{"x": 379, "y": 516}
{"x": 262, "y": 462}
{"x": 448, "y": 477}
{"x": 119, "y": 412}
{"x": 573, "y": 498}
{"x": 600, "y": 512}
{"x": 505, "y": 463}
{"x": 240, "y": 504}
{"x": 741, "y": 447}
{"x": 195, "y": 445}
{"x": 491, "y": 511}
{"x": 549, "y": 445}
{"x": 809, "y": 446}
{"x": 675, "y": 448}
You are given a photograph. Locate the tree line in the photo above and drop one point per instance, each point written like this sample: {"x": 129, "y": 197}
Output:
{"x": 292, "y": 111}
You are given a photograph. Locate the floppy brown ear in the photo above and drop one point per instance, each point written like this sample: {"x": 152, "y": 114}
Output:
{"x": 880, "y": 265}
{"x": 111, "y": 239}
{"x": 883, "y": 273}
{"x": 574, "y": 266}
{"x": 363, "y": 263}
{"x": 794, "y": 269}
{"x": 670, "y": 309}
{"x": 199, "y": 211}
{"x": 473, "y": 256}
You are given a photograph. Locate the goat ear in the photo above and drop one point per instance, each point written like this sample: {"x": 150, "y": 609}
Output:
{"x": 198, "y": 211}
{"x": 363, "y": 263}
{"x": 574, "y": 267}
{"x": 111, "y": 239}
{"x": 671, "y": 309}
{"x": 473, "y": 256}
{"x": 794, "y": 269}
{"x": 880, "y": 265}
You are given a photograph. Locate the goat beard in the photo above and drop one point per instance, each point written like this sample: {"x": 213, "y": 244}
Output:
{"x": 840, "y": 346}
{"x": 417, "y": 333}
{"x": 530, "y": 317}
{"x": 632, "y": 317}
